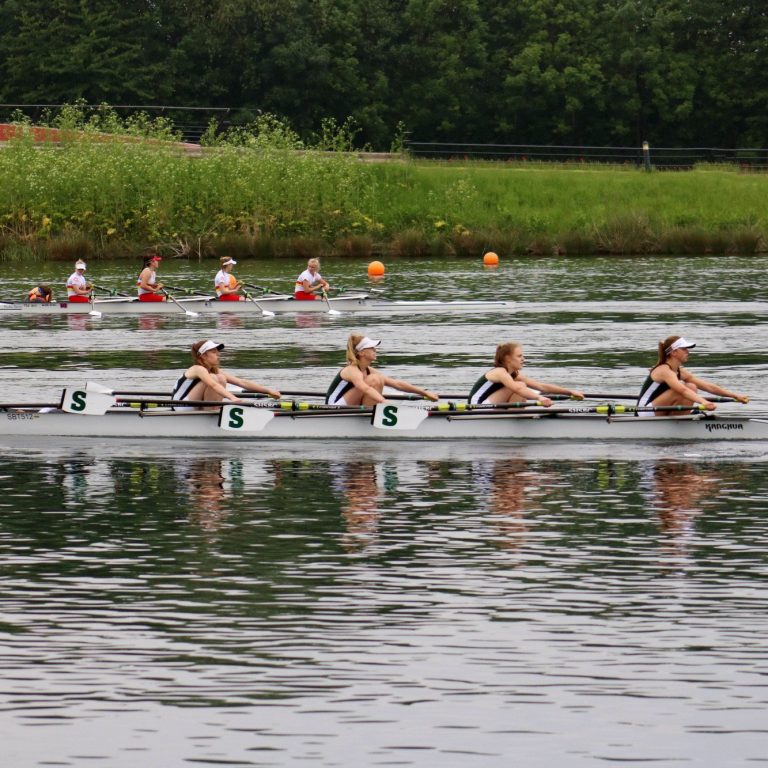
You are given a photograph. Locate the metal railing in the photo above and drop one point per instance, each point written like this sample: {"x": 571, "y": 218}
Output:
{"x": 180, "y": 117}
{"x": 670, "y": 158}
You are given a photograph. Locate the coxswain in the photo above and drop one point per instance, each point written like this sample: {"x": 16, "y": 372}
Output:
{"x": 40, "y": 294}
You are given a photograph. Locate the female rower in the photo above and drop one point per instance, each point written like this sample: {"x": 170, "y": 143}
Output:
{"x": 359, "y": 384}
{"x": 310, "y": 282}
{"x": 226, "y": 285}
{"x": 204, "y": 380}
{"x": 40, "y": 294}
{"x": 149, "y": 288}
{"x": 78, "y": 289}
{"x": 505, "y": 383}
{"x": 668, "y": 383}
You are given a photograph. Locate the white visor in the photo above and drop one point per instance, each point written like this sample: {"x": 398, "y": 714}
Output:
{"x": 228, "y": 262}
{"x": 80, "y": 265}
{"x": 208, "y": 346}
{"x": 681, "y": 343}
{"x": 367, "y": 343}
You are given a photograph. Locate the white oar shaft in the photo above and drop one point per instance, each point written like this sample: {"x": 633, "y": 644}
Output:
{"x": 185, "y": 311}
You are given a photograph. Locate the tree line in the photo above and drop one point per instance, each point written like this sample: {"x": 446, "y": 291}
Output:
{"x": 581, "y": 72}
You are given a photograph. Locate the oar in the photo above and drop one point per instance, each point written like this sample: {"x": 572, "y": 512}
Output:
{"x": 26, "y": 406}
{"x": 264, "y": 312}
{"x": 611, "y": 396}
{"x": 312, "y": 393}
{"x": 290, "y": 407}
{"x": 187, "y": 312}
{"x": 232, "y": 416}
{"x": 409, "y": 417}
{"x": 331, "y": 310}
{"x": 178, "y": 289}
{"x": 94, "y": 387}
{"x": 608, "y": 409}
{"x": 112, "y": 291}
{"x": 93, "y": 312}
{"x": 191, "y": 292}
{"x": 264, "y": 290}
{"x": 345, "y": 289}
{"x": 96, "y": 400}
{"x": 236, "y": 417}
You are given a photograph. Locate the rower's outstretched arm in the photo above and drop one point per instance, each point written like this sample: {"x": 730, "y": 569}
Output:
{"x": 404, "y": 386}
{"x": 715, "y": 389}
{"x": 555, "y": 389}
{"x": 252, "y": 386}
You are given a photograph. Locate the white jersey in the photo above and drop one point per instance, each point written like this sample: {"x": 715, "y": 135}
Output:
{"x": 225, "y": 279}
{"x": 152, "y": 281}
{"x": 309, "y": 277}
{"x": 75, "y": 280}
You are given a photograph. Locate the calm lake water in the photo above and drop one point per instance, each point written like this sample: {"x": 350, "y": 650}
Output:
{"x": 484, "y": 604}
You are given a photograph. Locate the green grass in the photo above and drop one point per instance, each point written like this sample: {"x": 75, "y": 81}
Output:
{"x": 95, "y": 195}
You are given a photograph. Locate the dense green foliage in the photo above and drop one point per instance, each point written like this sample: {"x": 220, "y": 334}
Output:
{"x": 261, "y": 191}
{"x": 586, "y": 72}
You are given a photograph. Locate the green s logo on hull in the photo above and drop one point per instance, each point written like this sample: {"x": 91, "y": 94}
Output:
{"x": 236, "y": 420}
{"x": 389, "y": 416}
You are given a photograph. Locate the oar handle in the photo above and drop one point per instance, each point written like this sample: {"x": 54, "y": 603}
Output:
{"x": 190, "y": 291}
{"x": 177, "y": 289}
{"x": 110, "y": 291}
{"x": 27, "y": 406}
{"x": 613, "y": 396}
{"x": 276, "y": 406}
{"x": 313, "y": 393}
{"x": 143, "y": 402}
{"x": 261, "y": 288}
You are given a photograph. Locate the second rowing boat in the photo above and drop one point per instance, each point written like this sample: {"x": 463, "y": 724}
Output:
{"x": 359, "y": 303}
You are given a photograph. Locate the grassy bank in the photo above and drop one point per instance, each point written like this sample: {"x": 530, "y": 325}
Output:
{"x": 92, "y": 195}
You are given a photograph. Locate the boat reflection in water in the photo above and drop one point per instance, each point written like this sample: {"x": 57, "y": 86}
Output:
{"x": 78, "y": 482}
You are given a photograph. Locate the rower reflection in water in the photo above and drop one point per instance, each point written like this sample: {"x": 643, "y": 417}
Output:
{"x": 204, "y": 380}
{"x": 151, "y": 322}
{"x": 226, "y": 322}
{"x": 669, "y": 384}
{"x": 505, "y": 383}
{"x": 359, "y": 384}
{"x": 205, "y": 482}
{"x": 357, "y": 483}
{"x": 509, "y": 485}
{"x": 78, "y": 323}
{"x": 677, "y": 493}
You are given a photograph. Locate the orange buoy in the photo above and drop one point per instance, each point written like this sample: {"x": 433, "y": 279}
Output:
{"x": 375, "y": 269}
{"x": 491, "y": 259}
